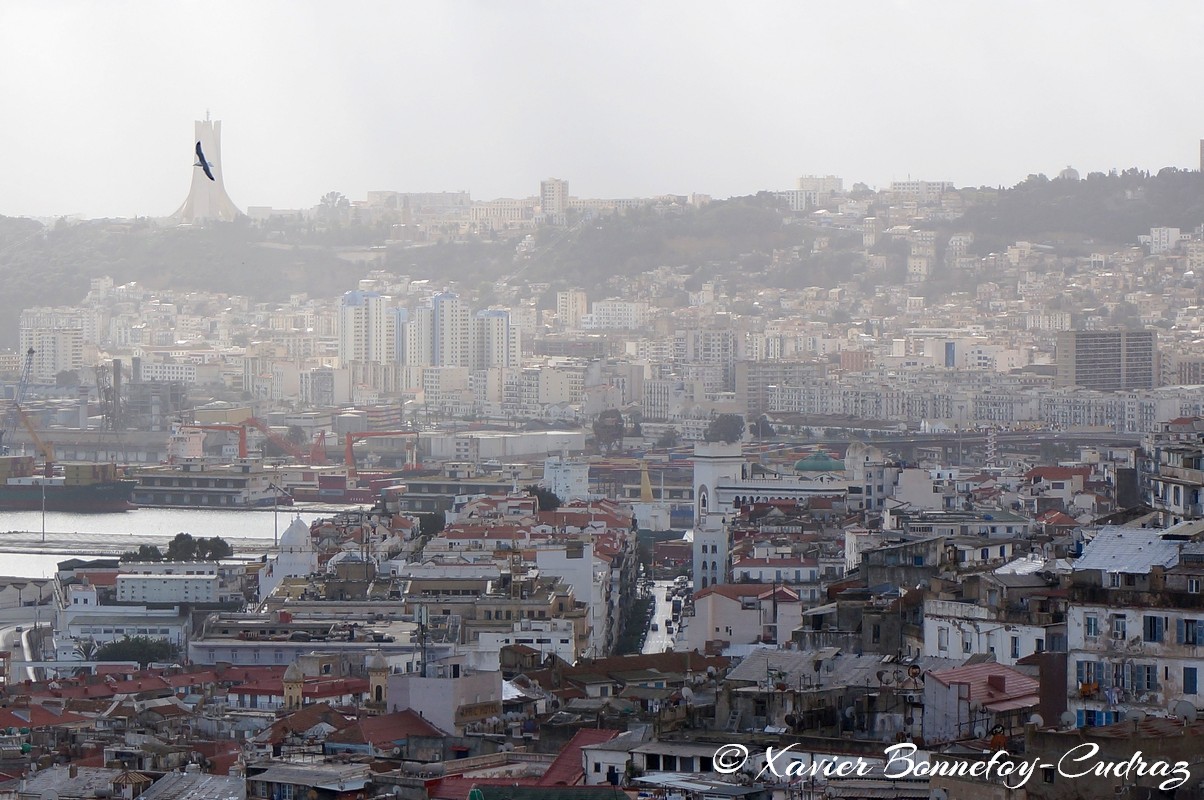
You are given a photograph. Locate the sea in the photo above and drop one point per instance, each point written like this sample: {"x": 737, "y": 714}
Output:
{"x": 258, "y": 524}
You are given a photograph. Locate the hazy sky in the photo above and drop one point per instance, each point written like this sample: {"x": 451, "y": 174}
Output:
{"x": 620, "y": 98}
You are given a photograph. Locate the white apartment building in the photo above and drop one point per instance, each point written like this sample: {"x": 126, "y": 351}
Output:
{"x": 954, "y": 629}
{"x": 496, "y": 343}
{"x": 554, "y": 198}
{"x": 502, "y": 213}
{"x": 571, "y": 307}
{"x": 366, "y": 328}
{"x": 1135, "y": 623}
{"x": 451, "y": 339}
{"x": 1163, "y": 240}
{"x": 616, "y": 314}
{"x": 168, "y": 588}
{"x": 826, "y": 184}
{"x": 55, "y": 350}
{"x": 549, "y": 636}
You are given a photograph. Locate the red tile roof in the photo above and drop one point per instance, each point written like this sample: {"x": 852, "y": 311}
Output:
{"x": 1057, "y": 473}
{"x": 567, "y": 769}
{"x": 386, "y": 730}
{"x": 313, "y": 687}
{"x": 1017, "y": 687}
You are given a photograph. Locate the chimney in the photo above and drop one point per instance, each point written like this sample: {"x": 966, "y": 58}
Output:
{"x": 997, "y": 683}
{"x": 74, "y": 771}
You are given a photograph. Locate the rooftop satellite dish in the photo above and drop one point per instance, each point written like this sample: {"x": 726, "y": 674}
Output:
{"x": 850, "y": 712}
{"x": 979, "y": 731}
{"x": 938, "y": 794}
{"x": 1069, "y": 719}
{"x": 1186, "y": 711}
{"x": 1036, "y": 719}
{"x": 1137, "y": 716}
{"x": 883, "y": 675}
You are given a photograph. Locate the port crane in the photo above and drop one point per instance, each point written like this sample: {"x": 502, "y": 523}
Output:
{"x": 292, "y": 449}
{"x": 317, "y": 452}
{"x": 349, "y": 440}
{"x": 14, "y": 411}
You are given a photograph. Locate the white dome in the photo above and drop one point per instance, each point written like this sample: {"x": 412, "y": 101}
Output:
{"x": 296, "y": 536}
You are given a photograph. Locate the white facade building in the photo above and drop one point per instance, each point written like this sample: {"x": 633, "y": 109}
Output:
{"x": 295, "y": 558}
{"x": 168, "y": 588}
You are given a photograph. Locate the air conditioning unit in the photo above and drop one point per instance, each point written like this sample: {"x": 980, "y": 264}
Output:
{"x": 1118, "y": 635}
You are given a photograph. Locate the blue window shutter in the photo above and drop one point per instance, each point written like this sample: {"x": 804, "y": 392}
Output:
{"x": 1082, "y": 718}
{"x": 1080, "y": 672}
{"x": 1200, "y": 631}
{"x": 1179, "y": 631}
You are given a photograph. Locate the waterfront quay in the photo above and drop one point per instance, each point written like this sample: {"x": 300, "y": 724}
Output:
{"x": 109, "y": 544}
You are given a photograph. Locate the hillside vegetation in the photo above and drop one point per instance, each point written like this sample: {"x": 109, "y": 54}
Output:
{"x": 52, "y": 265}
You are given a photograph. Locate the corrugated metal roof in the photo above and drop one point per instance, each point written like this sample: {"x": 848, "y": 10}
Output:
{"x": 1137, "y": 550}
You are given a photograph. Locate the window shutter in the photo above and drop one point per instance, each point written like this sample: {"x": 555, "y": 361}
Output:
{"x": 1179, "y": 631}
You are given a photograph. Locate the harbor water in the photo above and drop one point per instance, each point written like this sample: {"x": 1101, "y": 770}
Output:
{"x": 259, "y": 524}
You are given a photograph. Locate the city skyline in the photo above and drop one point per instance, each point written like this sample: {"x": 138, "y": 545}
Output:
{"x": 620, "y": 100}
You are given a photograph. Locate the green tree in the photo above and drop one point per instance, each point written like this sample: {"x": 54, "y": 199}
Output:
{"x": 548, "y": 500}
{"x": 142, "y": 649}
{"x": 181, "y": 548}
{"x": 333, "y": 205}
{"x": 68, "y": 378}
{"x": 761, "y": 428}
{"x": 145, "y": 552}
{"x": 184, "y": 547}
{"x": 213, "y": 549}
{"x": 668, "y": 438}
{"x": 725, "y": 428}
{"x": 608, "y": 430}
{"x": 636, "y": 421}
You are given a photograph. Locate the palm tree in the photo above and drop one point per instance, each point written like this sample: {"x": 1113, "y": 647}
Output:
{"x": 86, "y": 649}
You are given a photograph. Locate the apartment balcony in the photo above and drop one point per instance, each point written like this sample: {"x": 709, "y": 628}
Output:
{"x": 1185, "y": 475}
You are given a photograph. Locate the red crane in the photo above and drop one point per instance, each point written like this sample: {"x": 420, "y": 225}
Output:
{"x": 349, "y": 440}
{"x": 284, "y": 444}
{"x": 317, "y": 452}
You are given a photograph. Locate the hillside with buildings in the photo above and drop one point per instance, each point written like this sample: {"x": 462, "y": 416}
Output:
{"x": 788, "y": 240}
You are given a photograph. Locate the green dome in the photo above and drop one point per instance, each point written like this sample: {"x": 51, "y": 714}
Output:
{"x": 819, "y": 462}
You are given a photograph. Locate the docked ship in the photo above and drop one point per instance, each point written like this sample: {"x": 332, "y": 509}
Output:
{"x": 72, "y": 487}
{"x": 195, "y": 483}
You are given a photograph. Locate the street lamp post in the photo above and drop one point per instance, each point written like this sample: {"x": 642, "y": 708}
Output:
{"x": 37, "y": 602}
{"x": 43, "y": 482}
{"x": 276, "y": 490}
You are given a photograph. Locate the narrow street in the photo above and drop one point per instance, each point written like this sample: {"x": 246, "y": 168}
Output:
{"x": 659, "y": 640}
